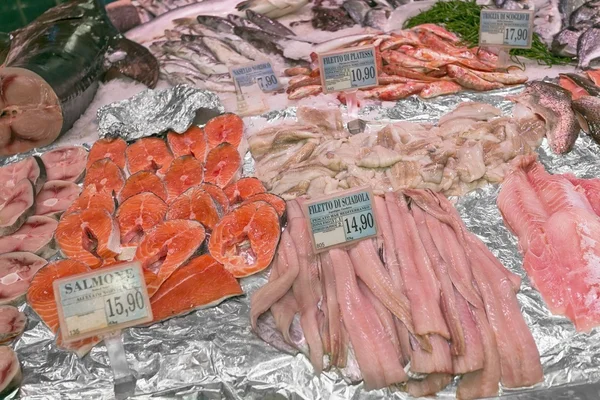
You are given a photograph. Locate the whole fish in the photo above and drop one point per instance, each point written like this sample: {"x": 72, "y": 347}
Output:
{"x": 268, "y": 25}
{"x": 204, "y": 63}
{"x": 305, "y": 91}
{"x": 240, "y": 21}
{"x": 217, "y": 24}
{"x": 588, "y": 108}
{"x": 223, "y": 52}
{"x": 469, "y": 80}
{"x": 357, "y": 9}
{"x": 246, "y": 49}
{"x": 553, "y": 104}
{"x": 55, "y": 64}
{"x": 585, "y": 14}
{"x": 258, "y": 38}
{"x": 272, "y": 8}
{"x": 565, "y": 42}
{"x": 584, "y": 82}
{"x": 341, "y": 42}
{"x": 395, "y": 91}
{"x": 588, "y": 47}
{"x": 377, "y": 18}
{"x": 435, "y": 89}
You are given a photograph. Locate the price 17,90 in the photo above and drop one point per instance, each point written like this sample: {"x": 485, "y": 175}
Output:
{"x": 515, "y": 34}
{"x": 357, "y": 224}
{"x": 362, "y": 74}
{"x": 118, "y": 306}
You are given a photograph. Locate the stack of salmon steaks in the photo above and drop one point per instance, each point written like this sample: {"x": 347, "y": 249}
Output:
{"x": 179, "y": 208}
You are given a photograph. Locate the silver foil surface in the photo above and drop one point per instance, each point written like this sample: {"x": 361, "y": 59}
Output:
{"x": 155, "y": 111}
{"x": 213, "y": 354}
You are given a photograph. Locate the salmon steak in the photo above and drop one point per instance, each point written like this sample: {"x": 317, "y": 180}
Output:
{"x": 244, "y": 241}
{"x": 31, "y": 168}
{"x": 16, "y": 205}
{"x": 143, "y": 181}
{"x": 65, "y": 163}
{"x": 35, "y": 236}
{"x": 196, "y": 204}
{"x": 223, "y": 163}
{"x": 12, "y": 323}
{"x": 138, "y": 214}
{"x": 89, "y": 236}
{"x": 90, "y": 197}
{"x": 40, "y": 295}
{"x": 217, "y": 194}
{"x": 55, "y": 197}
{"x": 183, "y": 173}
{"x": 277, "y": 202}
{"x": 149, "y": 154}
{"x": 168, "y": 246}
{"x": 105, "y": 175}
{"x": 10, "y": 371}
{"x": 242, "y": 189}
{"x": 226, "y": 128}
{"x": 205, "y": 282}
{"x": 190, "y": 143}
{"x": 16, "y": 272}
{"x": 113, "y": 149}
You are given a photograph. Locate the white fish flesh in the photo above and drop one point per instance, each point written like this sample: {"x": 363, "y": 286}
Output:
{"x": 35, "y": 236}
{"x": 15, "y": 206}
{"x": 12, "y": 323}
{"x": 65, "y": 163}
{"x": 55, "y": 197}
{"x": 16, "y": 272}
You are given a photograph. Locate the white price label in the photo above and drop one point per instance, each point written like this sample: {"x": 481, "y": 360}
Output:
{"x": 504, "y": 28}
{"x": 344, "y": 218}
{"x": 102, "y": 301}
{"x": 348, "y": 69}
{"x": 259, "y": 73}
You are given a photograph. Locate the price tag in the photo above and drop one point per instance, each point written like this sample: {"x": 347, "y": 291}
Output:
{"x": 504, "y": 28}
{"x": 348, "y": 69}
{"x": 259, "y": 73}
{"x": 102, "y": 301}
{"x": 341, "y": 219}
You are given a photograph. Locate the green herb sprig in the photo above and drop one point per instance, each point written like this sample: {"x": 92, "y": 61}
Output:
{"x": 462, "y": 18}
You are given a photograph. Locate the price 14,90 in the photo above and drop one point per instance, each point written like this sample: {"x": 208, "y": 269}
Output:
{"x": 354, "y": 224}
{"x": 362, "y": 74}
{"x": 123, "y": 305}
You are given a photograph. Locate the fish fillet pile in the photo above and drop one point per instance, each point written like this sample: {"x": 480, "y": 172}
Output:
{"x": 179, "y": 208}
{"x": 556, "y": 219}
{"x": 426, "y": 60}
{"x": 34, "y": 192}
{"x": 468, "y": 148}
{"x": 423, "y": 302}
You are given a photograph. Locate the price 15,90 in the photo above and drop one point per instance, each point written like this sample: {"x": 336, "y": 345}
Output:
{"x": 362, "y": 74}
{"x": 118, "y": 306}
{"x": 354, "y": 224}
{"x": 515, "y": 34}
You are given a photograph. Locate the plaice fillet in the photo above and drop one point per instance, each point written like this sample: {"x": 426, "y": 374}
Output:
{"x": 167, "y": 246}
{"x": 89, "y": 236}
{"x": 16, "y": 205}
{"x": 55, "y": 197}
{"x": 35, "y": 236}
{"x": 16, "y": 272}
{"x": 30, "y": 168}
{"x": 65, "y": 163}
{"x": 201, "y": 283}
{"x": 12, "y": 323}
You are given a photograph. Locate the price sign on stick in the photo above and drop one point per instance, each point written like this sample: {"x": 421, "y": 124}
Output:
{"x": 259, "y": 73}
{"x": 341, "y": 219}
{"x": 502, "y": 28}
{"x": 348, "y": 69}
{"x": 102, "y": 301}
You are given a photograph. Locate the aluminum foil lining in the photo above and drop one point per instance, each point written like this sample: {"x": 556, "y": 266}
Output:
{"x": 213, "y": 354}
{"x": 155, "y": 111}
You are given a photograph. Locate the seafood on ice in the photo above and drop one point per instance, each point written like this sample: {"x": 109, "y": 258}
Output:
{"x": 556, "y": 219}
{"x": 179, "y": 207}
{"x": 469, "y": 147}
{"x": 423, "y": 302}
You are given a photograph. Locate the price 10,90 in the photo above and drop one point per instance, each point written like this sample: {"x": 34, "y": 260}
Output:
{"x": 354, "y": 224}
{"x": 362, "y": 74}
{"x": 118, "y": 306}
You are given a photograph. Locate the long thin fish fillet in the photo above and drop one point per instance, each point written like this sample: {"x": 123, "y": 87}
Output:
{"x": 473, "y": 357}
{"x": 264, "y": 297}
{"x": 438, "y": 359}
{"x": 306, "y": 287}
{"x": 284, "y": 310}
{"x": 323, "y": 320}
{"x": 361, "y": 332}
{"x": 333, "y": 309}
{"x": 432, "y": 384}
{"x": 484, "y": 382}
{"x": 426, "y": 313}
{"x": 448, "y": 299}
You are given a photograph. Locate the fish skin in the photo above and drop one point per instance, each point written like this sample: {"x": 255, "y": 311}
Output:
{"x": 469, "y": 80}
{"x": 217, "y": 24}
{"x": 565, "y": 42}
{"x": 269, "y": 25}
{"x": 553, "y": 104}
{"x": 584, "y": 82}
{"x": 435, "y": 89}
{"x": 305, "y": 91}
{"x": 270, "y": 8}
{"x": 223, "y": 52}
{"x": 584, "y": 14}
{"x": 589, "y": 109}
{"x": 377, "y": 18}
{"x": 588, "y": 47}
{"x": 357, "y": 9}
